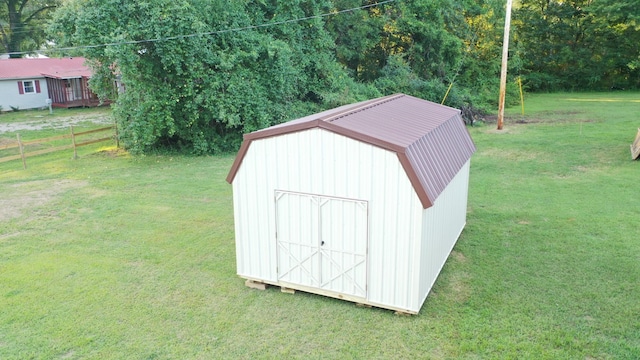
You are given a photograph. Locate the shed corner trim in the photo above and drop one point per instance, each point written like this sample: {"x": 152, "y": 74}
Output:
{"x": 425, "y": 200}
{"x": 238, "y": 160}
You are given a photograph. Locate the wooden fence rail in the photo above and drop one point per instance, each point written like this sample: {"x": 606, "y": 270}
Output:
{"x": 20, "y": 144}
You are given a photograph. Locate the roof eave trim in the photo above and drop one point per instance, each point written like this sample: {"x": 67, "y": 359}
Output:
{"x": 248, "y": 139}
{"x": 65, "y": 77}
{"x": 34, "y": 77}
{"x": 415, "y": 180}
{"x": 312, "y": 124}
{"x": 238, "y": 160}
{"x": 281, "y": 130}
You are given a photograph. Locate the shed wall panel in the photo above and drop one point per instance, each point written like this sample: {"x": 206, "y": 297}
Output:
{"x": 318, "y": 161}
{"x": 442, "y": 225}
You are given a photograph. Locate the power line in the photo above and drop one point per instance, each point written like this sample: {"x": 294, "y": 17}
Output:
{"x": 209, "y": 33}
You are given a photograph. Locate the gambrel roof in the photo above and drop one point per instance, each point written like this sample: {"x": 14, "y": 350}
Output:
{"x": 431, "y": 140}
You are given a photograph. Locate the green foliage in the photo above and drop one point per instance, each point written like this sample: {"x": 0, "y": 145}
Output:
{"x": 22, "y": 24}
{"x": 578, "y": 44}
{"x": 398, "y": 76}
{"x": 200, "y": 93}
{"x": 198, "y": 74}
{"x": 422, "y": 47}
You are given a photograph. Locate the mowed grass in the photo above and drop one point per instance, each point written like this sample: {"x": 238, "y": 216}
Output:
{"x": 36, "y": 128}
{"x": 119, "y": 257}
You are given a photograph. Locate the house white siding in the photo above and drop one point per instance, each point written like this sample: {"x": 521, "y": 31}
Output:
{"x": 12, "y": 97}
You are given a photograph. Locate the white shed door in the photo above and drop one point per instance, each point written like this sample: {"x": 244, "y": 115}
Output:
{"x": 322, "y": 242}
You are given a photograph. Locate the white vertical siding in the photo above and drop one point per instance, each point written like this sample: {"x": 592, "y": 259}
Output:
{"x": 442, "y": 225}
{"x": 317, "y": 161}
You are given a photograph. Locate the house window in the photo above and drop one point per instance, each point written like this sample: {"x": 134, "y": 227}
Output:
{"x": 29, "y": 87}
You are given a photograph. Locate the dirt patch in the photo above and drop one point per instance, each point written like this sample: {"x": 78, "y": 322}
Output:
{"x": 458, "y": 256}
{"x": 4, "y": 141}
{"x": 459, "y": 288}
{"x": 20, "y": 198}
{"x": 541, "y": 117}
{"x": 68, "y": 355}
{"x": 112, "y": 153}
{"x": 515, "y": 155}
{"x": 505, "y": 130}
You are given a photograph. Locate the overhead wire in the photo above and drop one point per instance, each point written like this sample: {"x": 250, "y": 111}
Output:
{"x": 208, "y": 33}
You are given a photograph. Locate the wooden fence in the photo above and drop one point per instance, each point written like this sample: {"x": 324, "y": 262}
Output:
{"x": 75, "y": 143}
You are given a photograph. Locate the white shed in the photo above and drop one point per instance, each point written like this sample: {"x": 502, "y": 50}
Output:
{"x": 363, "y": 202}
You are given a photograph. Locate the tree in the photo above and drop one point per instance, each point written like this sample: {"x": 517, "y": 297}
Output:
{"x": 360, "y": 38}
{"x": 620, "y": 24}
{"x": 192, "y": 81}
{"x": 579, "y": 44}
{"x": 417, "y": 30}
{"x": 421, "y": 47}
{"x": 22, "y": 24}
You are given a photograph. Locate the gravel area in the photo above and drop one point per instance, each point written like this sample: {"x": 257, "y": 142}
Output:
{"x": 41, "y": 122}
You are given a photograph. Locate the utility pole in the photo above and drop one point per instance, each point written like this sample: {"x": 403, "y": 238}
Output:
{"x": 503, "y": 69}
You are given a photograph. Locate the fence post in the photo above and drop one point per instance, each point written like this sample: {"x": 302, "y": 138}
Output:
{"x": 24, "y": 162}
{"x": 73, "y": 141}
{"x": 115, "y": 126}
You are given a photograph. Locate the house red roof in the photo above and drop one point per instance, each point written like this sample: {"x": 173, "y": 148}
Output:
{"x": 60, "y": 68}
{"x": 430, "y": 139}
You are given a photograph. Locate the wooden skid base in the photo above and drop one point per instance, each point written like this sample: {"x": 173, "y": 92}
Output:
{"x": 402, "y": 313}
{"x": 255, "y": 285}
{"x": 359, "y": 302}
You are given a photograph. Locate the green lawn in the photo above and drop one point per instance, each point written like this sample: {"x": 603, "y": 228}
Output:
{"x": 119, "y": 257}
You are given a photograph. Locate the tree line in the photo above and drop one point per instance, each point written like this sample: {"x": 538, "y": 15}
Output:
{"x": 199, "y": 73}
{"x": 578, "y": 44}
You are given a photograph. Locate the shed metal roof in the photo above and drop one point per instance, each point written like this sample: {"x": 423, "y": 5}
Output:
{"x": 60, "y": 68}
{"x": 431, "y": 140}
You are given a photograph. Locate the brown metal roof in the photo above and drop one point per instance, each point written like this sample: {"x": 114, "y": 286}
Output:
{"x": 431, "y": 140}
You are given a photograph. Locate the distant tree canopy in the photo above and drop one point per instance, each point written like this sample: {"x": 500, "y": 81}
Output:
{"x": 22, "y": 25}
{"x": 201, "y": 92}
{"x": 579, "y": 44}
{"x": 199, "y": 73}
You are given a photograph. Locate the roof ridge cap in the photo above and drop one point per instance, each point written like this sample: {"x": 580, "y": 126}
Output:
{"x": 361, "y": 107}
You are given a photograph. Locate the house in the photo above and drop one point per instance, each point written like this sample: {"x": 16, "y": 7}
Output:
{"x": 28, "y": 83}
{"x": 363, "y": 202}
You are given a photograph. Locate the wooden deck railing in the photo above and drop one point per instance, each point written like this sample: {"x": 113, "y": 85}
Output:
{"x": 75, "y": 143}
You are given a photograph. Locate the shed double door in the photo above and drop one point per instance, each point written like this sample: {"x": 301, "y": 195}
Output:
{"x": 322, "y": 242}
